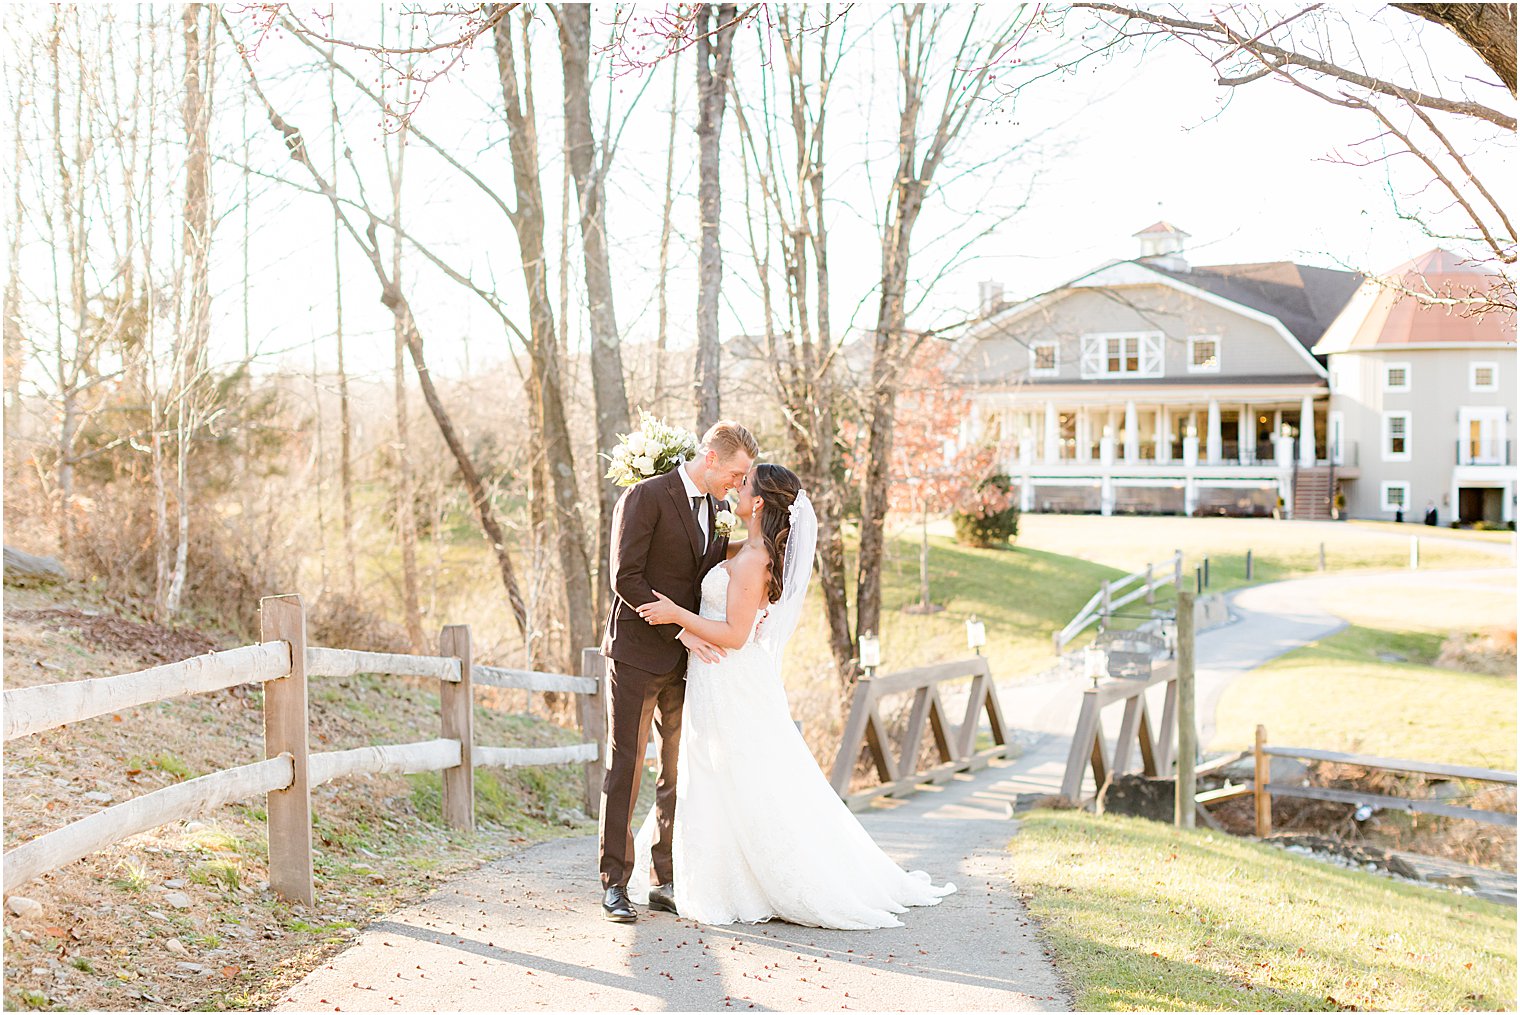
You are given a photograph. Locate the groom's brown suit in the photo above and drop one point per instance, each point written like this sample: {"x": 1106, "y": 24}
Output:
{"x": 656, "y": 545}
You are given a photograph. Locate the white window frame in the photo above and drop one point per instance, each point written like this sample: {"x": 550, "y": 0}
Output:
{"x": 1472, "y": 376}
{"x": 1192, "y": 366}
{"x": 1397, "y": 388}
{"x": 1151, "y": 356}
{"x": 1496, "y": 416}
{"x": 1388, "y": 487}
{"x": 1335, "y": 433}
{"x": 1387, "y": 440}
{"x": 1036, "y": 371}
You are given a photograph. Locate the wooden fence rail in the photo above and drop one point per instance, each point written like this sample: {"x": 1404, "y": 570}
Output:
{"x": 955, "y": 743}
{"x": 1264, "y": 789}
{"x": 282, "y": 662}
{"x": 1102, "y": 605}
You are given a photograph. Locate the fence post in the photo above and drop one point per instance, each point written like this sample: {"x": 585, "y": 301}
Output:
{"x": 1185, "y": 804}
{"x": 1198, "y": 581}
{"x": 282, "y": 618}
{"x": 1263, "y": 777}
{"x": 1321, "y": 556}
{"x": 594, "y": 727}
{"x": 1414, "y": 553}
{"x": 1206, "y": 572}
{"x": 456, "y": 702}
{"x": 1150, "y": 589}
{"x": 1177, "y": 564}
{"x": 1106, "y": 603}
{"x": 1250, "y": 567}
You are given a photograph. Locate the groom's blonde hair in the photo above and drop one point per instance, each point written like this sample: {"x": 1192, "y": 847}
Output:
{"x": 725, "y": 438}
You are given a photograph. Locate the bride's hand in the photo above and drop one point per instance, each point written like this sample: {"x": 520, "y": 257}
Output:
{"x": 661, "y": 611}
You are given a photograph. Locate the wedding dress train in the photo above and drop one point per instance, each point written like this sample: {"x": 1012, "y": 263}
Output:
{"x": 759, "y": 832}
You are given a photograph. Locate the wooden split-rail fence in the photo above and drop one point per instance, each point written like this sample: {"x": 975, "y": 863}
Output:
{"x": 955, "y": 743}
{"x": 283, "y": 663}
{"x": 1116, "y": 594}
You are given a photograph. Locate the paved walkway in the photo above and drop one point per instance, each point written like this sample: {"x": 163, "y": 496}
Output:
{"x": 526, "y": 933}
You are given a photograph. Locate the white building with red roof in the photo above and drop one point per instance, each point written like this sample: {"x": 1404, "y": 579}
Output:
{"x": 1423, "y": 394}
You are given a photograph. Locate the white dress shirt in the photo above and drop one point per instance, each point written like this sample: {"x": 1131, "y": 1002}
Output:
{"x": 692, "y": 492}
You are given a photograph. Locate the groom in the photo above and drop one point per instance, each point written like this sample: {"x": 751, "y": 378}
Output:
{"x": 663, "y": 537}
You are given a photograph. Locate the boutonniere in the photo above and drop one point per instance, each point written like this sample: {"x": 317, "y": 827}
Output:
{"x": 728, "y": 523}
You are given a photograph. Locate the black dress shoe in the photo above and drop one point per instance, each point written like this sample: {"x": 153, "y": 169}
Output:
{"x": 616, "y": 906}
{"x": 663, "y": 897}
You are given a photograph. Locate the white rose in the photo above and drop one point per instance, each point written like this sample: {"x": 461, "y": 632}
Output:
{"x": 635, "y": 443}
{"x": 644, "y": 464}
{"x": 619, "y": 453}
{"x": 728, "y": 521}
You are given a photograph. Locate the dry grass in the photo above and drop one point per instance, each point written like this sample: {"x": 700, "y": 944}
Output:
{"x": 104, "y": 938}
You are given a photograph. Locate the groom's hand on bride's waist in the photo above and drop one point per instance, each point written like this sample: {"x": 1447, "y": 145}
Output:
{"x": 702, "y": 649}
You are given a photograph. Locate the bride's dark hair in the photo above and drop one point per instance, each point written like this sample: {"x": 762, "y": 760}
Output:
{"x": 777, "y": 486}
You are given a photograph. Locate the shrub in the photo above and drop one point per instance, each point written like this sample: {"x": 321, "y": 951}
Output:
{"x": 989, "y": 515}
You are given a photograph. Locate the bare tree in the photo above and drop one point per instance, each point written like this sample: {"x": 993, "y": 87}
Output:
{"x": 192, "y": 363}
{"x": 926, "y": 39}
{"x": 788, "y": 166}
{"x": 663, "y": 296}
{"x": 1428, "y": 114}
{"x": 394, "y": 299}
{"x": 548, "y": 408}
{"x": 14, "y": 343}
{"x": 715, "y": 24}
{"x": 406, "y": 494}
{"x": 589, "y": 164}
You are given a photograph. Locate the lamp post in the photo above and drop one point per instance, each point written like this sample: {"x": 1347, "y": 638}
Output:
{"x": 870, "y": 654}
{"x": 976, "y": 634}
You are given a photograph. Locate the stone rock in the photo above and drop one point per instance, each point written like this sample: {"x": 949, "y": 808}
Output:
{"x": 23, "y": 908}
{"x": 176, "y": 946}
{"x": 175, "y": 883}
{"x": 1139, "y": 796}
{"x": 179, "y": 900}
{"x": 98, "y": 797}
{"x": 22, "y": 568}
{"x": 157, "y": 915}
{"x": 190, "y": 967}
{"x": 194, "y": 826}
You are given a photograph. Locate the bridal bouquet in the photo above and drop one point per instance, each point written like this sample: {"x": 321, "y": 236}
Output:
{"x": 652, "y": 450}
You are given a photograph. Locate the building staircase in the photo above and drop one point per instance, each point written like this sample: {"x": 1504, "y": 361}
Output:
{"x": 1313, "y": 489}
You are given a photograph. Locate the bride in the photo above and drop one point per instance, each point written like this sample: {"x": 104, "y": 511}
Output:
{"x": 759, "y": 833}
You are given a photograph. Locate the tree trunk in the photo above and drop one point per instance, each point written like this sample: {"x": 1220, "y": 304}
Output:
{"x": 345, "y": 417}
{"x": 14, "y": 356}
{"x": 200, "y": 61}
{"x": 663, "y": 293}
{"x": 1488, "y": 29}
{"x": 590, "y": 174}
{"x": 545, "y": 371}
{"x": 406, "y": 502}
{"x": 715, "y": 25}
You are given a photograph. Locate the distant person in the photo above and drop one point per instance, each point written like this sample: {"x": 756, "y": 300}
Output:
{"x": 1430, "y": 513}
{"x": 1398, "y": 515}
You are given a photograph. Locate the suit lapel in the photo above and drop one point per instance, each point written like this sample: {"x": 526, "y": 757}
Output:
{"x": 677, "y": 491}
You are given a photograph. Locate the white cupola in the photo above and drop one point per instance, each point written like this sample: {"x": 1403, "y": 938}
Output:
{"x": 1162, "y": 244}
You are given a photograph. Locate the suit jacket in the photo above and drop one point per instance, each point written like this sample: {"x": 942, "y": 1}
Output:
{"x": 656, "y": 544}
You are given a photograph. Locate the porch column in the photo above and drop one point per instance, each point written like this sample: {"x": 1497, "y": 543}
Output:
{"x": 1245, "y": 428}
{"x": 1163, "y": 435}
{"x": 1052, "y": 434}
{"x": 1131, "y": 434}
{"x": 1106, "y": 445}
{"x": 1084, "y": 435}
{"x": 1106, "y": 495}
{"x": 1189, "y": 495}
{"x": 1215, "y": 447}
{"x": 1306, "y": 432}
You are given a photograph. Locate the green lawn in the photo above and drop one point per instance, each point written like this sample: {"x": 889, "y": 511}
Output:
{"x": 1145, "y": 917}
{"x": 1023, "y": 596}
{"x": 1349, "y": 692}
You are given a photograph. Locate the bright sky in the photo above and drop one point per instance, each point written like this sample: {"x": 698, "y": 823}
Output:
{"x": 1121, "y": 142}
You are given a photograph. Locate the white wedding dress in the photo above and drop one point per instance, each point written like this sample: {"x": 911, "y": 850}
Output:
{"x": 759, "y": 832}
